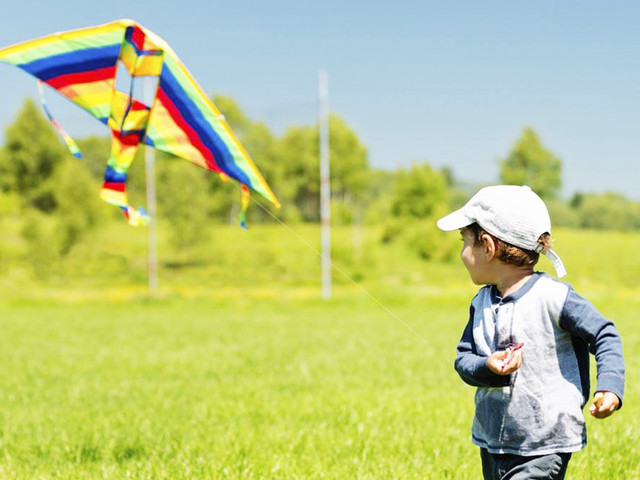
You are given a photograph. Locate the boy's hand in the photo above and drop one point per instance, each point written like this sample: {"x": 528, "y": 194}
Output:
{"x": 496, "y": 362}
{"x": 604, "y": 404}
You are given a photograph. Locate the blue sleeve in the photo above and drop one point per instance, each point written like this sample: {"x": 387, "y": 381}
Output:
{"x": 472, "y": 367}
{"x": 599, "y": 337}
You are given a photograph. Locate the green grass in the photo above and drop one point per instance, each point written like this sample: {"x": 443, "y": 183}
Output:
{"x": 245, "y": 374}
{"x": 256, "y": 389}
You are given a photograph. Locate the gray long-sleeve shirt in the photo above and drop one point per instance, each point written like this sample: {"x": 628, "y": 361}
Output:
{"x": 538, "y": 409}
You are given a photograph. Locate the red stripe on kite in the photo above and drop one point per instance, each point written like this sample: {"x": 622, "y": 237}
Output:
{"x": 128, "y": 139}
{"x": 89, "y": 76}
{"x": 137, "y": 37}
{"x": 118, "y": 187}
{"x": 188, "y": 130}
{"x": 137, "y": 105}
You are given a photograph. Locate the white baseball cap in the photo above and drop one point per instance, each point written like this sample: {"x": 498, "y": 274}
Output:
{"x": 514, "y": 214}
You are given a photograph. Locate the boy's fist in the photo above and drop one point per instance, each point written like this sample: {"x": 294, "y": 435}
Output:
{"x": 496, "y": 362}
{"x": 604, "y": 404}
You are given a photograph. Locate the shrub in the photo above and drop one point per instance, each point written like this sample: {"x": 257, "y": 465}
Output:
{"x": 37, "y": 231}
{"x": 428, "y": 242}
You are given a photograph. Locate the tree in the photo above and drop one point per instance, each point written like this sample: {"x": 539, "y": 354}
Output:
{"x": 36, "y": 169}
{"x": 291, "y": 167}
{"x": 420, "y": 193}
{"x": 30, "y": 157}
{"x": 78, "y": 204}
{"x": 606, "y": 211}
{"x": 183, "y": 201}
{"x": 530, "y": 163}
{"x": 350, "y": 174}
{"x": 95, "y": 152}
{"x": 261, "y": 145}
{"x": 233, "y": 114}
{"x": 299, "y": 155}
{"x": 421, "y": 196}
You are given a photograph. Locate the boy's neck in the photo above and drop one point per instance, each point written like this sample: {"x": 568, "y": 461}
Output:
{"x": 511, "y": 279}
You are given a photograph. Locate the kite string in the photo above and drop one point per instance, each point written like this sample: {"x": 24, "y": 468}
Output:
{"x": 340, "y": 271}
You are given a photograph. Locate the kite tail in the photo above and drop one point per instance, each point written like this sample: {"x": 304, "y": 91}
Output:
{"x": 246, "y": 196}
{"x": 71, "y": 145}
{"x": 137, "y": 217}
{"x": 114, "y": 187}
{"x": 114, "y": 193}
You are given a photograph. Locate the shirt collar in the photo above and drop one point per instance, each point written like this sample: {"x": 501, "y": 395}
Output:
{"x": 512, "y": 297}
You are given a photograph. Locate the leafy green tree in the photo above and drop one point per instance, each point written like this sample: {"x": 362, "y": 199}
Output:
{"x": 183, "y": 201}
{"x": 261, "y": 145}
{"x": 95, "y": 152}
{"x": 37, "y": 169}
{"x": 562, "y": 214}
{"x": 421, "y": 196}
{"x": 38, "y": 230}
{"x": 420, "y": 192}
{"x": 233, "y": 114}
{"x": 30, "y": 156}
{"x": 78, "y": 204}
{"x": 350, "y": 174}
{"x": 290, "y": 165}
{"x": 530, "y": 163}
{"x": 378, "y": 196}
{"x": 299, "y": 154}
{"x": 606, "y": 211}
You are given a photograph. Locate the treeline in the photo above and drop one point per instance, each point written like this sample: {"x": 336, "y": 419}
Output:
{"x": 57, "y": 196}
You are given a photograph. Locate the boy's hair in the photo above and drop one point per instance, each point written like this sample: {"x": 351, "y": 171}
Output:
{"x": 511, "y": 254}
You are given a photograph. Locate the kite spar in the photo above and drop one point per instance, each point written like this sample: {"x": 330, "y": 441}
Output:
{"x": 179, "y": 119}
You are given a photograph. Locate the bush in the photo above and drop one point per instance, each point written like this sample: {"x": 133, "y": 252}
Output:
{"x": 393, "y": 230}
{"x": 428, "y": 242}
{"x": 78, "y": 205}
{"x": 183, "y": 202}
{"x": 607, "y": 211}
{"x": 420, "y": 192}
{"x": 562, "y": 215}
{"x": 423, "y": 238}
{"x": 37, "y": 232}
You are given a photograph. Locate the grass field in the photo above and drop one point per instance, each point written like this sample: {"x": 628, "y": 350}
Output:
{"x": 246, "y": 374}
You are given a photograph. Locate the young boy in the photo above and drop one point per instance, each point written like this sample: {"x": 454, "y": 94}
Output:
{"x": 526, "y": 345}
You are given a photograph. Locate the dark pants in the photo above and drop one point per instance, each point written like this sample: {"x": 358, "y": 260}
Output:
{"x": 516, "y": 467}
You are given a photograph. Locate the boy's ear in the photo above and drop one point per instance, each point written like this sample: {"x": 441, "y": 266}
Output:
{"x": 489, "y": 246}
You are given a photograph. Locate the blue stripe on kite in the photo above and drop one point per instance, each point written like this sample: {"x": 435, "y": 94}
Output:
{"x": 73, "y": 62}
{"x": 194, "y": 117}
{"x": 113, "y": 176}
{"x": 139, "y": 133}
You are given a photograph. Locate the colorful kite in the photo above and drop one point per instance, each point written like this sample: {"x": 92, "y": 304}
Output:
{"x": 102, "y": 69}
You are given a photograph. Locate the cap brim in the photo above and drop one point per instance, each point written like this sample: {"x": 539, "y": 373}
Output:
{"x": 454, "y": 221}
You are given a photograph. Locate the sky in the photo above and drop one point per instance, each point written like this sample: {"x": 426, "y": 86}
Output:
{"x": 451, "y": 83}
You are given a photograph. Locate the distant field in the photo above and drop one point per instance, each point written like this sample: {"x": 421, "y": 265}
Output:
{"x": 246, "y": 374}
{"x": 274, "y": 261}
